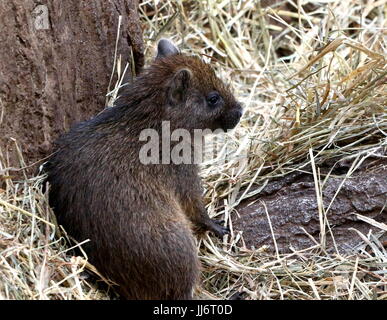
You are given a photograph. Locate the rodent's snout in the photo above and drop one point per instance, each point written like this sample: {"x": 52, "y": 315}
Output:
{"x": 239, "y": 110}
{"x": 231, "y": 118}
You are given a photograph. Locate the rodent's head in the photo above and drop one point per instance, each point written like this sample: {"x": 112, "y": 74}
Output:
{"x": 195, "y": 98}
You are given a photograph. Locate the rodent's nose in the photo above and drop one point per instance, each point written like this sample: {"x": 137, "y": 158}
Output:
{"x": 239, "y": 110}
{"x": 231, "y": 118}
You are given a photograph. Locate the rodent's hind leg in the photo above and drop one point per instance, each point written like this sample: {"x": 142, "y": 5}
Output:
{"x": 238, "y": 296}
{"x": 163, "y": 265}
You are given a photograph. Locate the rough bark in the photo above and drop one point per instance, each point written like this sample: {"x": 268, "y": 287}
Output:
{"x": 56, "y": 71}
{"x": 291, "y": 205}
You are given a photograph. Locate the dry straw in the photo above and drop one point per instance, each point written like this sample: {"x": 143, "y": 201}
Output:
{"x": 324, "y": 99}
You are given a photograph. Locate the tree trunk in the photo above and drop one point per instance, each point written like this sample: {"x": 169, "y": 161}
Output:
{"x": 56, "y": 58}
{"x": 290, "y": 203}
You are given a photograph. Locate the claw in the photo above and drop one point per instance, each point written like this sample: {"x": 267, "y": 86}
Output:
{"x": 217, "y": 228}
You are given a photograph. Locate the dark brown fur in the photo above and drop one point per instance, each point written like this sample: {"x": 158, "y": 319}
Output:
{"x": 140, "y": 218}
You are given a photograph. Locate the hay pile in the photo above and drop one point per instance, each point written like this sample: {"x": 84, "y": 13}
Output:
{"x": 313, "y": 83}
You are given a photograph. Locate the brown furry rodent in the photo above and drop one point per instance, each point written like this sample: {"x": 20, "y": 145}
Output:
{"x": 141, "y": 219}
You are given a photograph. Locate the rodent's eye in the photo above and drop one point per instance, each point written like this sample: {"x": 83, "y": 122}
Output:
{"x": 213, "y": 98}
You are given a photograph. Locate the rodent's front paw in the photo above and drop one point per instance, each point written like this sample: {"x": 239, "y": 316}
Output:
{"x": 217, "y": 227}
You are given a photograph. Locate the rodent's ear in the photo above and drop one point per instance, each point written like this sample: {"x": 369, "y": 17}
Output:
{"x": 166, "y": 48}
{"x": 179, "y": 86}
